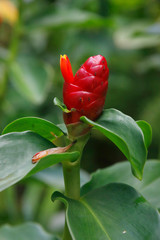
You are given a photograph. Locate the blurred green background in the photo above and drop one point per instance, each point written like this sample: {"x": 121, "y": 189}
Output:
{"x": 127, "y": 33}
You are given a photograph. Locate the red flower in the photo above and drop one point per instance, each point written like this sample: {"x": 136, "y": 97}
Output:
{"x": 86, "y": 91}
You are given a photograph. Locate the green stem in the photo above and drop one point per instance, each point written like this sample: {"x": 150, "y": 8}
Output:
{"x": 71, "y": 173}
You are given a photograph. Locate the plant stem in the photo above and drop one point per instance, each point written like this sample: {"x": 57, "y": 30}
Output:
{"x": 71, "y": 172}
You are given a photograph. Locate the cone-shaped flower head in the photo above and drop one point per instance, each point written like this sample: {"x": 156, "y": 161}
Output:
{"x": 86, "y": 91}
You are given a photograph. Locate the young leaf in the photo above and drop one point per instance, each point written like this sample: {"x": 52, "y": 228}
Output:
{"x": 60, "y": 104}
{"x": 16, "y": 152}
{"x": 115, "y": 211}
{"x": 125, "y": 133}
{"x": 121, "y": 173}
{"x": 43, "y": 127}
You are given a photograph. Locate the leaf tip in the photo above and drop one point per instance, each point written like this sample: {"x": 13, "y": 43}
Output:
{"x": 50, "y": 151}
{"x": 137, "y": 173}
{"x": 60, "y": 104}
{"x": 59, "y": 196}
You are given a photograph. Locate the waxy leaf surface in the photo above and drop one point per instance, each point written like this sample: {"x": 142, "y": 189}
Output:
{"x": 113, "y": 212}
{"x": 121, "y": 173}
{"x": 43, "y": 127}
{"x": 16, "y": 152}
{"x": 125, "y": 133}
{"x": 147, "y": 132}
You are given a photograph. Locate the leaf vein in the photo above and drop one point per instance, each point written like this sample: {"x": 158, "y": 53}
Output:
{"x": 95, "y": 217}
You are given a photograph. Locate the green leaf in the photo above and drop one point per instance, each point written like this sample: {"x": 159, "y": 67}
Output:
{"x": 121, "y": 173}
{"x": 31, "y": 78}
{"x": 60, "y": 104}
{"x": 49, "y": 160}
{"x": 63, "y": 128}
{"x": 25, "y": 231}
{"x": 147, "y": 132}
{"x": 125, "y": 133}
{"x": 44, "y": 128}
{"x": 61, "y": 18}
{"x": 115, "y": 211}
{"x": 16, "y": 152}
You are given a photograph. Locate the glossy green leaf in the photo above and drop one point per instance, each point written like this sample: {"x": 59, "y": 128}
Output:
{"x": 115, "y": 211}
{"x": 125, "y": 133}
{"x": 63, "y": 128}
{"x": 60, "y": 104}
{"x": 25, "y": 231}
{"x": 65, "y": 18}
{"x": 43, "y": 127}
{"x": 49, "y": 160}
{"x": 147, "y": 132}
{"x": 16, "y": 152}
{"x": 31, "y": 78}
{"x": 121, "y": 173}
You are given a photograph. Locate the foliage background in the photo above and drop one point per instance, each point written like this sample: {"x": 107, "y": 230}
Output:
{"x": 127, "y": 33}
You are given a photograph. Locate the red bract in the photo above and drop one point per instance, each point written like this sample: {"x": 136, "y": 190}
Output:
{"x": 86, "y": 91}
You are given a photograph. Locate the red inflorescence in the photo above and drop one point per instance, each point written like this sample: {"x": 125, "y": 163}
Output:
{"x": 86, "y": 91}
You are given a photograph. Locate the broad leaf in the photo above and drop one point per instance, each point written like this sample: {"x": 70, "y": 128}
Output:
{"x": 115, "y": 211}
{"x": 53, "y": 159}
{"x": 147, "y": 132}
{"x": 25, "y": 231}
{"x": 125, "y": 133}
{"x": 16, "y": 152}
{"x": 44, "y": 128}
{"x": 31, "y": 78}
{"x": 121, "y": 173}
